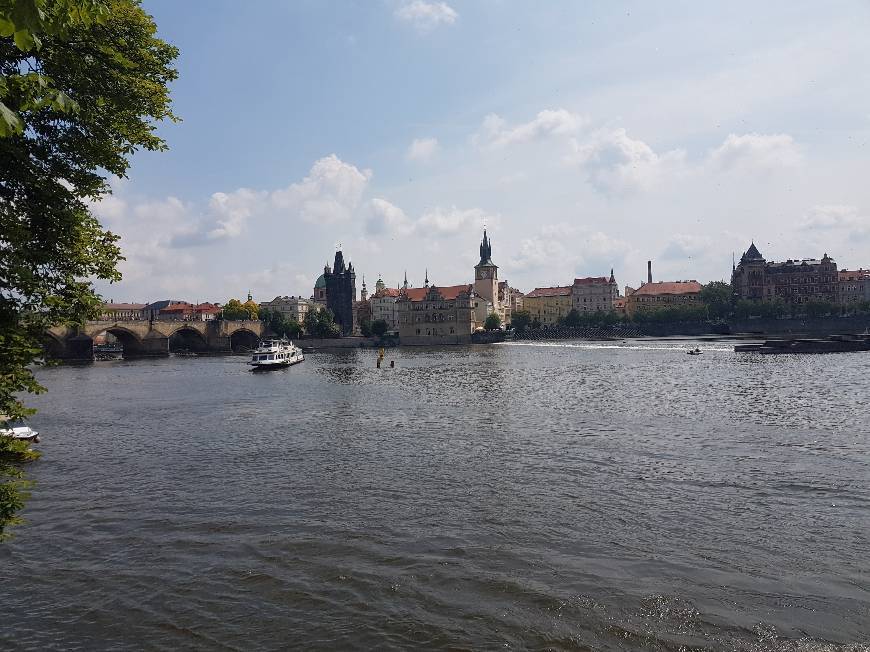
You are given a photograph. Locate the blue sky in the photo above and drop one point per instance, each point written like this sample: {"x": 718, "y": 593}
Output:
{"x": 587, "y": 136}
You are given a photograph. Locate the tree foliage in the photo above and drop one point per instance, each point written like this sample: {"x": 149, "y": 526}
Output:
{"x": 235, "y": 310}
{"x": 521, "y": 320}
{"x": 380, "y": 327}
{"x": 321, "y": 323}
{"x": 82, "y": 85}
{"x": 365, "y": 327}
{"x": 719, "y": 299}
{"x": 492, "y": 322}
{"x": 280, "y": 324}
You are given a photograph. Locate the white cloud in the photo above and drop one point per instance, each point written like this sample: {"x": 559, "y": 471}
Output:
{"x": 538, "y": 251}
{"x": 495, "y": 131}
{"x": 562, "y": 246}
{"x": 329, "y": 194}
{"x": 837, "y": 218}
{"x": 384, "y": 217}
{"x": 232, "y": 211}
{"x": 422, "y": 149}
{"x": 616, "y": 164}
{"x": 684, "y": 245}
{"x": 426, "y": 16}
{"x": 756, "y": 151}
{"x": 450, "y": 221}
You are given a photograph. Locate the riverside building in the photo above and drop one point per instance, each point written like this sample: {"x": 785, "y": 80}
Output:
{"x": 854, "y": 286}
{"x": 594, "y": 293}
{"x": 436, "y": 315}
{"x": 663, "y": 294}
{"x": 792, "y": 281}
{"x": 548, "y": 305}
{"x": 291, "y": 307}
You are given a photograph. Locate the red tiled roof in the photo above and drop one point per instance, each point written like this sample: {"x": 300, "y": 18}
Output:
{"x": 560, "y": 291}
{"x": 589, "y": 280}
{"x": 666, "y": 287}
{"x": 386, "y": 292}
{"x": 449, "y": 292}
{"x": 177, "y": 307}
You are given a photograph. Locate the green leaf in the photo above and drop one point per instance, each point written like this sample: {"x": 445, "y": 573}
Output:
{"x": 25, "y": 40}
{"x": 6, "y": 27}
{"x": 10, "y": 123}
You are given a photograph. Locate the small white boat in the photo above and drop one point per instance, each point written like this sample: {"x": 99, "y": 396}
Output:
{"x": 23, "y": 433}
{"x": 274, "y": 354}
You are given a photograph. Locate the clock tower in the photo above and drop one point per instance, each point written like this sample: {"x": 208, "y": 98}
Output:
{"x": 486, "y": 274}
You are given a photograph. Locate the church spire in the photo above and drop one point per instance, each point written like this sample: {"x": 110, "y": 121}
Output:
{"x": 405, "y": 285}
{"x": 426, "y": 282}
{"x": 485, "y": 250}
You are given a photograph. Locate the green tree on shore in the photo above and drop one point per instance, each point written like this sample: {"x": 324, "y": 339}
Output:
{"x": 321, "y": 323}
{"x": 82, "y": 85}
{"x": 719, "y": 299}
{"x": 492, "y": 322}
{"x": 380, "y": 327}
{"x": 521, "y": 320}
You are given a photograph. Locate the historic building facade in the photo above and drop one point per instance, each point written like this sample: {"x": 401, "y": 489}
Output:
{"x": 548, "y": 305}
{"x": 384, "y": 304}
{"x": 663, "y": 294}
{"x": 122, "y": 311}
{"x": 594, "y": 293}
{"x": 792, "y": 281}
{"x": 340, "y": 288}
{"x": 291, "y": 307}
{"x": 854, "y": 286}
{"x": 436, "y": 315}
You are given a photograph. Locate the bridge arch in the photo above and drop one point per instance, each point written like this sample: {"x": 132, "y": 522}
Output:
{"x": 243, "y": 340}
{"x": 131, "y": 343}
{"x": 187, "y": 339}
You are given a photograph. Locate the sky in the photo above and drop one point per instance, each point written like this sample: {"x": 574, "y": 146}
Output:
{"x": 585, "y": 136}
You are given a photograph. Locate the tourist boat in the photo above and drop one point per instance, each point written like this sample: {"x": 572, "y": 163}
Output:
{"x": 22, "y": 433}
{"x": 695, "y": 352}
{"x": 274, "y": 354}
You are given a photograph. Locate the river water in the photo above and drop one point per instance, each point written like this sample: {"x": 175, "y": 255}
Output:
{"x": 515, "y": 496}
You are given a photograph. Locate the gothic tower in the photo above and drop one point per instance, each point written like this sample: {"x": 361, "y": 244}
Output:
{"x": 341, "y": 293}
{"x": 486, "y": 274}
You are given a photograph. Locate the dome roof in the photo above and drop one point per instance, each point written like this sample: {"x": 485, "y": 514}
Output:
{"x": 321, "y": 282}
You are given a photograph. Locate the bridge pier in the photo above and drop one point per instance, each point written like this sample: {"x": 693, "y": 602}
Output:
{"x": 152, "y": 346}
{"x": 77, "y": 348}
{"x": 219, "y": 343}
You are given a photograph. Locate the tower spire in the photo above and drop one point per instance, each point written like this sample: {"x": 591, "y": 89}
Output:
{"x": 405, "y": 286}
{"x": 426, "y": 282}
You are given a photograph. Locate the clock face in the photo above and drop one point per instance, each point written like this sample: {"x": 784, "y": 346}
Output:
{"x": 484, "y": 273}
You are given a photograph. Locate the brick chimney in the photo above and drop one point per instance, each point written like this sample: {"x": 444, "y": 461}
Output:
{"x": 649, "y": 271}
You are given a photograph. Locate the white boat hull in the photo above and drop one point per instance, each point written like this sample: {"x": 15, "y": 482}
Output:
{"x": 275, "y": 354}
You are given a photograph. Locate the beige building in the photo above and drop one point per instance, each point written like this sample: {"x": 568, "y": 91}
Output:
{"x": 291, "y": 307}
{"x": 436, "y": 315}
{"x": 548, "y": 305}
{"x": 664, "y": 294}
{"x": 510, "y": 299}
{"x": 122, "y": 311}
{"x": 384, "y": 304}
{"x": 594, "y": 293}
{"x": 854, "y": 286}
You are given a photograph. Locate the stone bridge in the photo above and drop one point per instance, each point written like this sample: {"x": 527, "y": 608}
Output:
{"x": 141, "y": 338}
